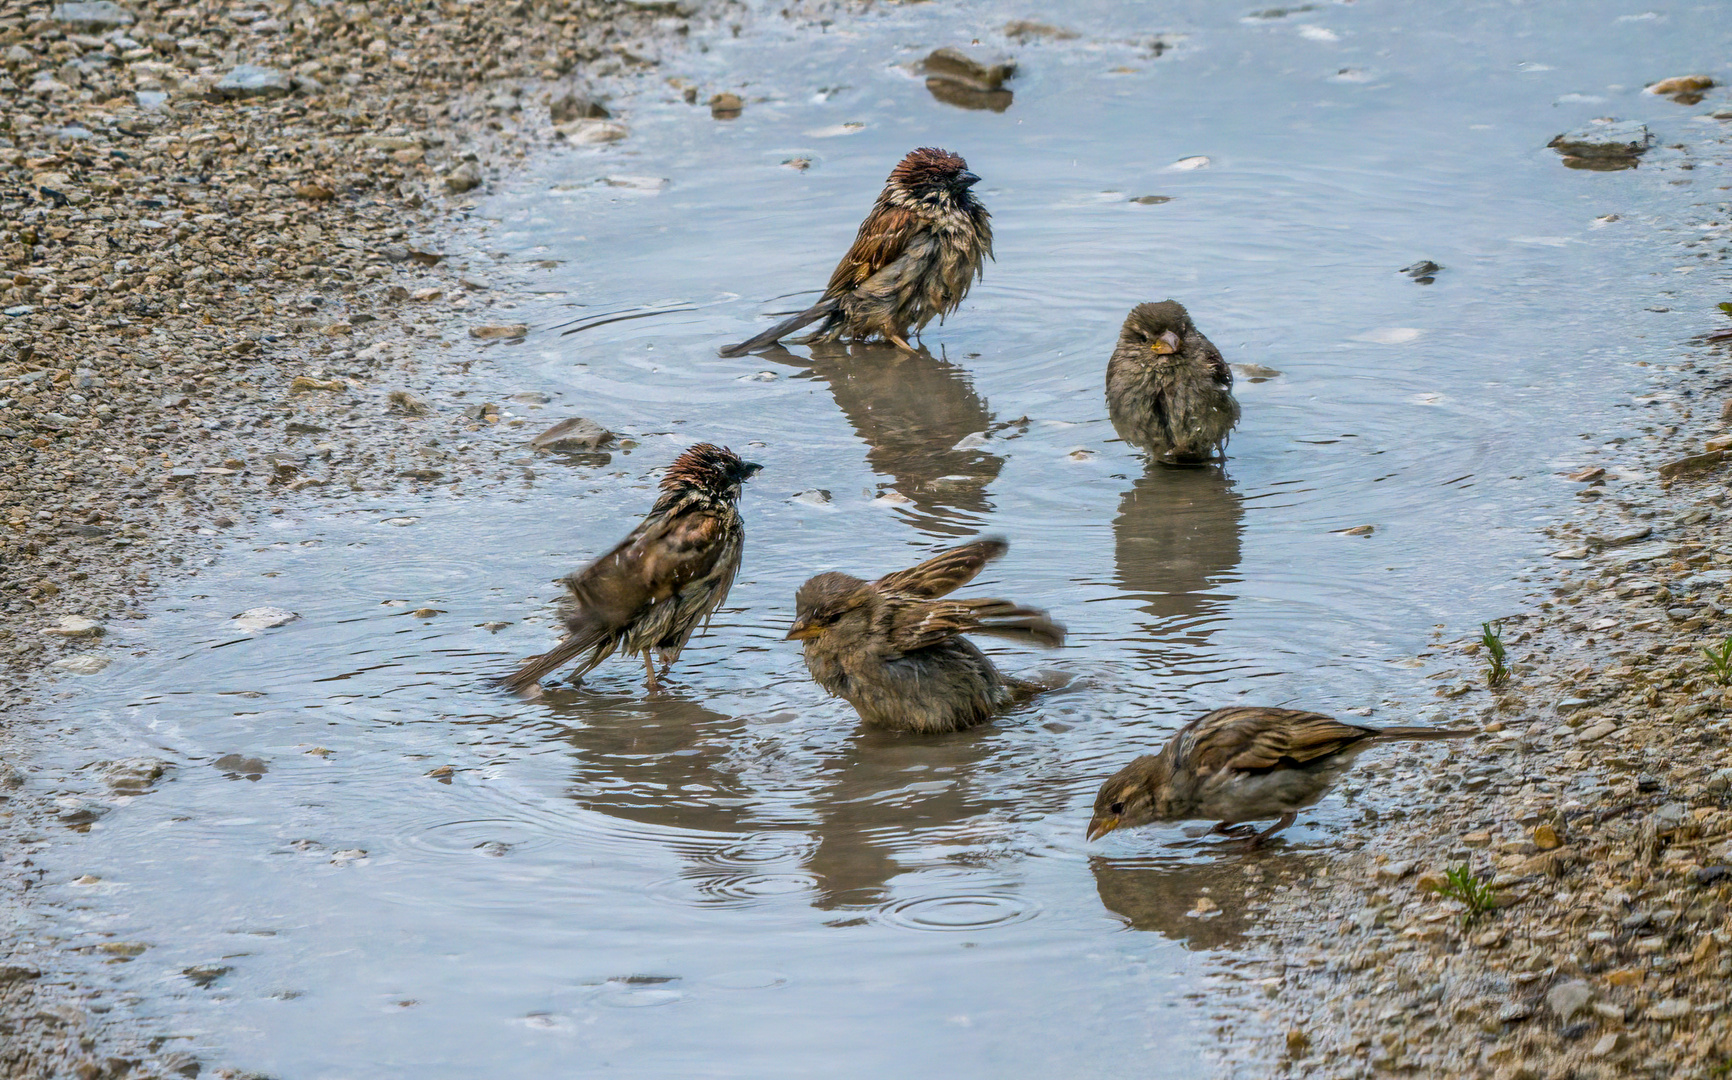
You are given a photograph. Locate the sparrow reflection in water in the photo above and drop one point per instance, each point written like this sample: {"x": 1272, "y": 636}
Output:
{"x": 1241, "y": 764}
{"x": 913, "y": 410}
{"x": 913, "y": 260}
{"x": 1176, "y": 542}
{"x": 893, "y": 648}
{"x": 1168, "y": 390}
{"x": 654, "y": 588}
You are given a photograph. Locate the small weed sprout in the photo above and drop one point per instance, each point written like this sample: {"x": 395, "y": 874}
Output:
{"x": 1721, "y": 659}
{"x": 1491, "y": 636}
{"x": 1475, "y": 892}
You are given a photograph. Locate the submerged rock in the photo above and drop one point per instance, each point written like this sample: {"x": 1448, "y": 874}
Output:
{"x": 1604, "y": 145}
{"x": 573, "y": 435}
{"x": 577, "y": 107}
{"x": 956, "y": 78}
{"x": 1684, "y": 89}
{"x": 262, "y": 618}
{"x": 726, "y": 106}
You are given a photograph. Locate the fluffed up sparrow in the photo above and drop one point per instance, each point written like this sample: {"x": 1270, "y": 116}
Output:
{"x": 893, "y": 648}
{"x": 1238, "y": 765}
{"x": 1168, "y": 390}
{"x": 913, "y": 260}
{"x": 654, "y": 588}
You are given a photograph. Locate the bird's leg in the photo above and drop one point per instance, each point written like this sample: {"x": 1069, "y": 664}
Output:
{"x": 1227, "y": 828}
{"x": 1286, "y": 819}
{"x": 649, "y": 665}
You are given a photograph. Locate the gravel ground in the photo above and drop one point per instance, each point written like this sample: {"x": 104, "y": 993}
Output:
{"x": 224, "y": 290}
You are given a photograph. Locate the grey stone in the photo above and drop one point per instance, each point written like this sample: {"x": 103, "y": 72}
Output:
{"x": 1617, "y": 138}
{"x": 1566, "y": 999}
{"x": 96, "y": 15}
{"x": 465, "y": 177}
{"x": 252, "y": 81}
{"x": 575, "y": 434}
{"x": 1670, "y": 1009}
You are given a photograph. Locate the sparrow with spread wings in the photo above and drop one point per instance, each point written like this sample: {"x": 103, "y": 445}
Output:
{"x": 658, "y": 584}
{"x": 1238, "y": 765}
{"x": 894, "y": 648}
{"x": 913, "y": 260}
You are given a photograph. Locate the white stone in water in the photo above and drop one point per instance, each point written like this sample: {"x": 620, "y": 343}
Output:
{"x": 972, "y": 442}
{"x": 262, "y": 618}
{"x": 1199, "y": 161}
{"x": 77, "y": 626}
{"x": 1390, "y": 335}
{"x": 814, "y": 497}
{"x": 82, "y": 664}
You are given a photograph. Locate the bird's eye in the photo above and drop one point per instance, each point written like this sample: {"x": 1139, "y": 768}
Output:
{"x": 1116, "y": 809}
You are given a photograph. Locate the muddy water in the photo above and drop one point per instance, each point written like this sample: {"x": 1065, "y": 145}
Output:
{"x": 730, "y": 879}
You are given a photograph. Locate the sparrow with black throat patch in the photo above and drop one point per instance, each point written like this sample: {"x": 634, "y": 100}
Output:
{"x": 1241, "y": 764}
{"x": 894, "y": 648}
{"x": 1169, "y": 391}
{"x": 658, "y": 584}
{"x": 915, "y": 257}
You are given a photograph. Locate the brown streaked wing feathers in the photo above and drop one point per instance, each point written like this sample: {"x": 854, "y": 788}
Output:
{"x": 945, "y": 572}
{"x": 882, "y": 238}
{"x": 914, "y": 626}
{"x": 1252, "y": 738}
{"x": 648, "y": 566}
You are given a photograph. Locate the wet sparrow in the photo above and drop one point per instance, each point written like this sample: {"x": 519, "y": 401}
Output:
{"x": 654, "y": 588}
{"x": 913, "y": 260}
{"x": 1168, "y": 390}
{"x": 1238, "y": 765}
{"x": 894, "y": 650}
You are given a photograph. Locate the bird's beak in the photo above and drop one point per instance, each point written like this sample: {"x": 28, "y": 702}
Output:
{"x": 801, "y": 630}
{"x": 751, "y": 469}
{"x": 1167, "y": 343}
{"x": 966, "y": 180}
{"x": 1099, "y": 827}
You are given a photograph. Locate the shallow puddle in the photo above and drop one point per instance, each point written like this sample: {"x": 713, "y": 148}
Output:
{"x": 401, "y": 870}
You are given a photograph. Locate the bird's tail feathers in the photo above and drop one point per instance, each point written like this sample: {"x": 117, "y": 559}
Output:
{"x": 594, "y": 640}
{"x": 1001, "y": 618}
{"x": 783, "y": 329}
{"x": 1424, "y": 733}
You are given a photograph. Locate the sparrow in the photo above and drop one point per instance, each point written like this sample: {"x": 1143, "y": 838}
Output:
{"x": 1168, "y": 390}
{"x": 893, "y": 648}
{"x": 1238, "y": 765}
{"x": 654, "y": 588}
{"x": 913, "y": 260}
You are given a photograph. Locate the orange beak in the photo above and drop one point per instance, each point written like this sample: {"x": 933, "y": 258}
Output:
{"x": 1166, "y": 344}
{"x": 1100, "y": 826}
{"x": 801, "y": 630}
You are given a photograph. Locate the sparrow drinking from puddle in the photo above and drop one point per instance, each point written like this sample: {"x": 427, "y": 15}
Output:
{"x": 654, "y": 588}
{"x": 913, "y": 260}
{"x": 1238, "y": 765}
{"x": 893, "y": 648}
{"x": 1168, "y": 390}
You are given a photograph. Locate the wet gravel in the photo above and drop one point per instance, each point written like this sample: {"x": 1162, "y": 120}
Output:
{"x": 222, "y": 292}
